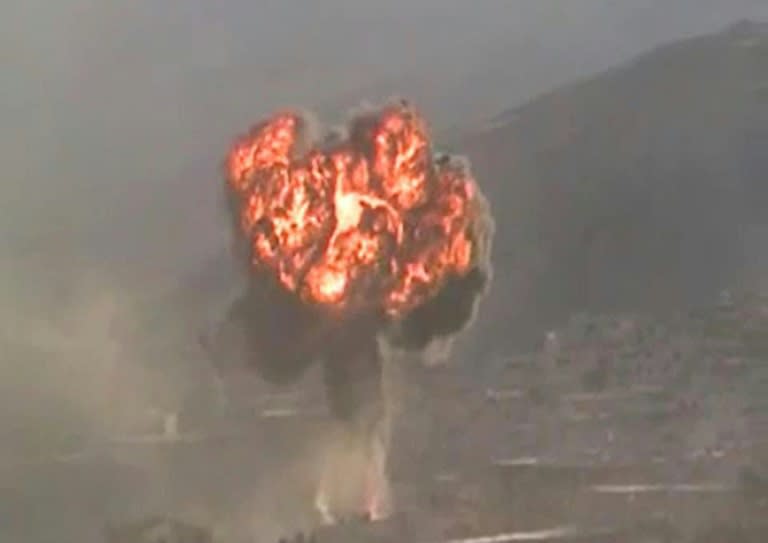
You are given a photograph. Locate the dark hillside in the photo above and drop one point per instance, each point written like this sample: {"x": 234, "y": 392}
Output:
{"x": 643, "y": 188}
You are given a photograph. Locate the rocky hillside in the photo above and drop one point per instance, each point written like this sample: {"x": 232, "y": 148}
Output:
{"x": 645, "y": 187}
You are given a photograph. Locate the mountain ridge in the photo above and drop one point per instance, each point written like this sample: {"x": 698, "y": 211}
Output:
{"x": 637, "y": 189}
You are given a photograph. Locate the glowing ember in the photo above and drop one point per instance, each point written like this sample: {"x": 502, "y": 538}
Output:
{"x": 370, "y": 222}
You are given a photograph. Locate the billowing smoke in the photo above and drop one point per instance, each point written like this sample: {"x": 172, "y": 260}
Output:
{"x": 361, "y": 238}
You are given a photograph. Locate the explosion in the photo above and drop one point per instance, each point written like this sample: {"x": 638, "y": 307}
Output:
{"x": 371, "y": 222}
{"x": 357, "y": 238}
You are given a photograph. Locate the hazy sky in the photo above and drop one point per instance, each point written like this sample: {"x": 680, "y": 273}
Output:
{"x": 116, "y": 113}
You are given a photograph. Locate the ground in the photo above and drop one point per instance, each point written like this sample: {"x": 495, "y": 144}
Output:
{"x": 621, "y": 428}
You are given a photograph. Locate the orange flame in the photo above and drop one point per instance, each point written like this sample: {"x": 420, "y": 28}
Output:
{"x": 372, "y": 221}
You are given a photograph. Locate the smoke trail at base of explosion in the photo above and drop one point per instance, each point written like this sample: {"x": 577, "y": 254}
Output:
{"x": 354, "y": 474}
{"x": 354, "y": 482}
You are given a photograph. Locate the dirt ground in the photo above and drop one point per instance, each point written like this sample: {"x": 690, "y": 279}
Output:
{"x": 620, "y": 428}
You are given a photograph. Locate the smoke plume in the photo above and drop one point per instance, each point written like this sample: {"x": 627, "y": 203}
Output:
{"x": 362, "y": 238}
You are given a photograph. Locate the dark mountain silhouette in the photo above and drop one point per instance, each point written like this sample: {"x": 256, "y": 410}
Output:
{"x": 644, "y": 188}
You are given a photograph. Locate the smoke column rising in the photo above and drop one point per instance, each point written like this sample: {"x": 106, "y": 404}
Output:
{"x": 360, "y": 239}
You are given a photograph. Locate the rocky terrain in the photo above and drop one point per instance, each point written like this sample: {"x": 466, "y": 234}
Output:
{"x": 620, "y": 428}
{"x": 633, "y": 428}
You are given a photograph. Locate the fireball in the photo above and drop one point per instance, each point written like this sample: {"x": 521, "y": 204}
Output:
{"x": 371, "y": 222}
